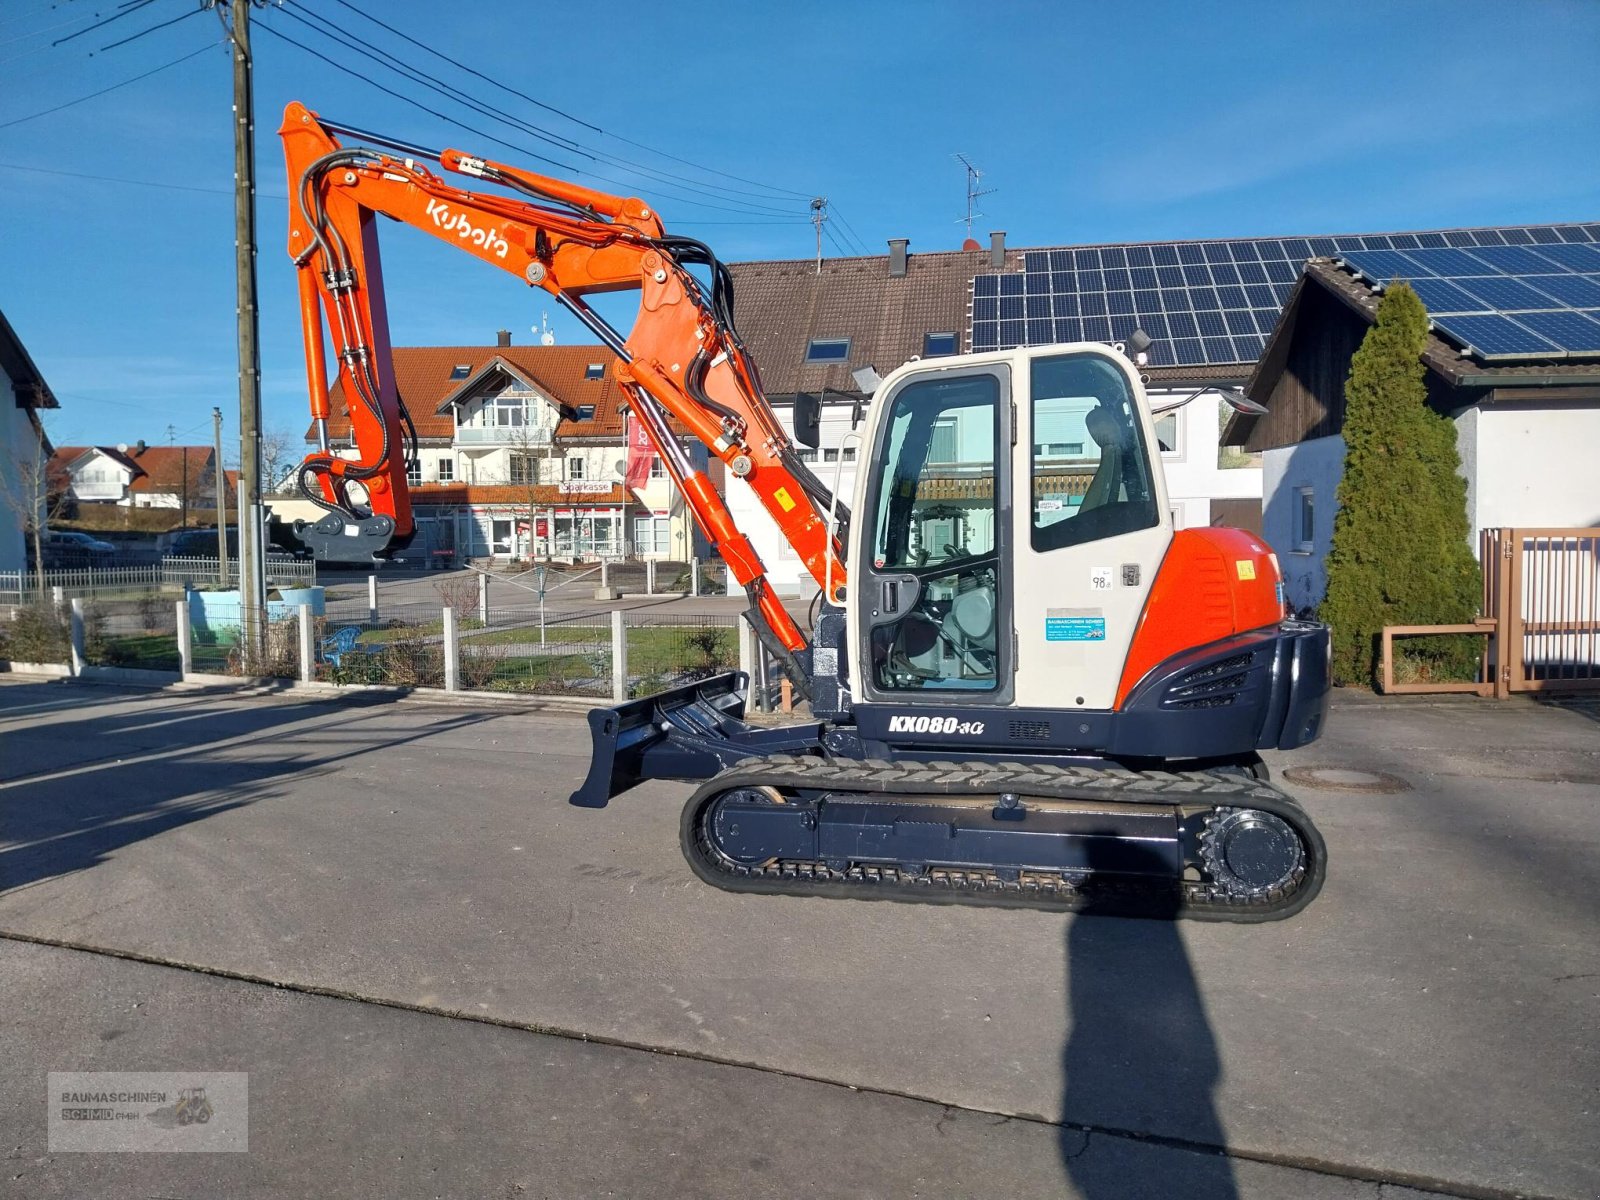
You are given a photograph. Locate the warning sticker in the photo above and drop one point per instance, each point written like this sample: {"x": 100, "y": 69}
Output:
{"x": 785, "y": 501}
{"x": 1074, "y": 625}
{"x": 1246, "y": 568}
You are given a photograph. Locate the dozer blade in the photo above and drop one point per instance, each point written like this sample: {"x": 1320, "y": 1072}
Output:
{"x": 688, "y": 732}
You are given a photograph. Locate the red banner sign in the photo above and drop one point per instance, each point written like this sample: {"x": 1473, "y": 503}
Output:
{"x": 641, "y": 454}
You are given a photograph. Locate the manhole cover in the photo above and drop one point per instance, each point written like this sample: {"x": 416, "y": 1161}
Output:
{"x": 1343, "y": 779}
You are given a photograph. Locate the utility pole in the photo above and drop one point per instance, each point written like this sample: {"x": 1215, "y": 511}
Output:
{"x": 252, "y": 562}
{"x": 819, "y": 215}
{"x": 220, "y": 479}
{"x": 184, "y": 521}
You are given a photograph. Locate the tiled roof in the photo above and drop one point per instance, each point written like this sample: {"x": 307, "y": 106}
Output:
{"x": 162, "y": 468}
{"x": 779, "y": 307}
{"x": 423, "y": 378}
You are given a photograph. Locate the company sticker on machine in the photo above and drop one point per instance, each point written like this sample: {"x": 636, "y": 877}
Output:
{"x": 1074, "y": 625}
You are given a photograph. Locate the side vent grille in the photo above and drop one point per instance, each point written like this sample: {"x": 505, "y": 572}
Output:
{"x": 1030, "y": 731}
{"x": 1215, "y": 685}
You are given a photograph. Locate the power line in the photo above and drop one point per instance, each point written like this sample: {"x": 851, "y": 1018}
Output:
{"x": 408, "y": 100}
{"x": 193, "y": 12}
{"x": 743, "y": 208}
{"x": 849, "y": 231}
{"x": 171, "y": 187}
{"x": 112, "y": 88}
{"x": 101, "y": 24}
{"x": 568, "y": 116}
{"x": 22, "y": 37}
{"x": 495, "y": 113}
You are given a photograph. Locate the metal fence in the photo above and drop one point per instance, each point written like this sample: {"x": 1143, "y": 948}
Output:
{"x": 142, "y": 634}
{"x": 17, "y": 587}
{"x": 516, "y": 652}
{"x": 216, "y": 640}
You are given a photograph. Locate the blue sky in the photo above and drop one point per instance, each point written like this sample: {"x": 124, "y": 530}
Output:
{"x": 1090, "y": 122}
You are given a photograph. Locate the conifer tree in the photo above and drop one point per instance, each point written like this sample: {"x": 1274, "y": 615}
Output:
{"x": 1400, "y": 553}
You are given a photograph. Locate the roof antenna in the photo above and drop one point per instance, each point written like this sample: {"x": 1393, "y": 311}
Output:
{"x": 547, "y": 336}
{"x": 973, "y": 192}
{"x": 819, "y": 215}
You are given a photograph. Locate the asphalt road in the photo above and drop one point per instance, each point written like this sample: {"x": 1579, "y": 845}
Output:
{"x": 522, "y": 994}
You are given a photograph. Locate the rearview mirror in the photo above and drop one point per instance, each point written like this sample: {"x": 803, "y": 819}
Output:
{"x": 808, "y": 419}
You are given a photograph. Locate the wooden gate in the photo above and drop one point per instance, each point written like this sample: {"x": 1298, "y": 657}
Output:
{"x": 1541, "y": 588}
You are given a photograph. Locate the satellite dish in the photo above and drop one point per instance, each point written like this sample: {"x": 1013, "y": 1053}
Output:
{"x": 547, "y": 338}
{"x": 122, "y": 447}
{"x": 620, "y": 467}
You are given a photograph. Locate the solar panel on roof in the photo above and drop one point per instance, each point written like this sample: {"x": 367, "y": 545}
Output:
{"x": 1217, "y": 301}
{"x": 1571, "y": 330}
{"x": 1504, "y": 294}
{"x": 1491, "y": 335}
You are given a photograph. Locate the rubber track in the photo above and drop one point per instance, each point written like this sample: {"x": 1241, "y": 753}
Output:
{"x": 1188, "y": 792}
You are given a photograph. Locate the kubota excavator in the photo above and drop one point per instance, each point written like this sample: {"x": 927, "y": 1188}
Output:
{"x": 1026, "y": 687}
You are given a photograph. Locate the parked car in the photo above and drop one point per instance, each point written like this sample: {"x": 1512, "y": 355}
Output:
{"x": 202, "y": 543}
{"x": 67, "y": 548}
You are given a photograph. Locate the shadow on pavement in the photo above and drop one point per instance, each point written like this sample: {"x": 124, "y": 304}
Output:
{"x": 1140, "y": 1057}
{"x": 72, "y": 813}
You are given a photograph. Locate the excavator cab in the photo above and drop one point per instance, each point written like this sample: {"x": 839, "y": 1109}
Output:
{"x": 1013, "y": 513}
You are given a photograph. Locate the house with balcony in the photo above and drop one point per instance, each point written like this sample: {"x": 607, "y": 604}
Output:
{"x": 141, "y": 476}
{"x": 521, "y": 454}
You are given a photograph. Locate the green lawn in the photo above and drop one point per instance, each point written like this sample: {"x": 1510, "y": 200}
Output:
{"x": 147, "y": 652}
{"x": 652, "y": 649}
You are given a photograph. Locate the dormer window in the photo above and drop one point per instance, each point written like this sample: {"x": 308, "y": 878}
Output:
{"x": 460, "y": 370}
{"x": 595, "y": 371}
{"x": 828, "y": 350}
{"x": 585, "y": 412}
{"x": 936, "y": 345}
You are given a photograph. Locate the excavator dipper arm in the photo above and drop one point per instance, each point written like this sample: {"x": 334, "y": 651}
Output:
{"x": 682, "y": 359}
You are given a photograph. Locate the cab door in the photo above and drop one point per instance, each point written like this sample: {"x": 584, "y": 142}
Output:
{"x": 1090, "y": 526}
{"x": 933, "y": 541}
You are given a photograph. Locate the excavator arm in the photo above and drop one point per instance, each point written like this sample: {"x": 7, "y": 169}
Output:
{"x": 682, "y": 359}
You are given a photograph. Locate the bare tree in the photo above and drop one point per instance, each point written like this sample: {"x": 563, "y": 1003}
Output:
{"x": 281, "y": 449}
{"x": 34, "y": 495}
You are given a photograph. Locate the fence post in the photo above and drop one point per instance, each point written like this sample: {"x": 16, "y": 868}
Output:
{"x": 649, "y": 577}
{"x": 452, "y": 653}
{"x": 308, "y": 649}
{"x": 750, "y": 663}
{"x": 372, "y": 599}
{"x": 185, "y": 640}
{"x": 483, "y": 597}
{"x": 58, "y": 598}
{"x": 77, "y": 635}
{"x": 619, "y": 657}
{"x": 694, "y": 577}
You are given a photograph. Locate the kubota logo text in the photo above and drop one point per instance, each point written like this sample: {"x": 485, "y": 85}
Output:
{"x": 464, "y": 229}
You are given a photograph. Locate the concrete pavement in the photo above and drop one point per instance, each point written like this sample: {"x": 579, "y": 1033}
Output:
{"x": 1429, "y": 1020}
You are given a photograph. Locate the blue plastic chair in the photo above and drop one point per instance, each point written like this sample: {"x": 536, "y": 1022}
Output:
{"x": 342, "y": 642}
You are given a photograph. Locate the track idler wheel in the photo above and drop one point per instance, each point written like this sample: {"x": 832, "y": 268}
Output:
{"x": 1249, "y": 853}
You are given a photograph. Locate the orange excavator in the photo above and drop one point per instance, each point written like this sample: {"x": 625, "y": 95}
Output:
{"x": 1026, "y": 688}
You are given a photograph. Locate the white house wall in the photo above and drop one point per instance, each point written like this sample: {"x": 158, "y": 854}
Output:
{"x": 1531, "y": 466}
{"x": 1194, "y": 479}
{"x": 1318, "y": 465}
{"x": 19, "y": 444}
